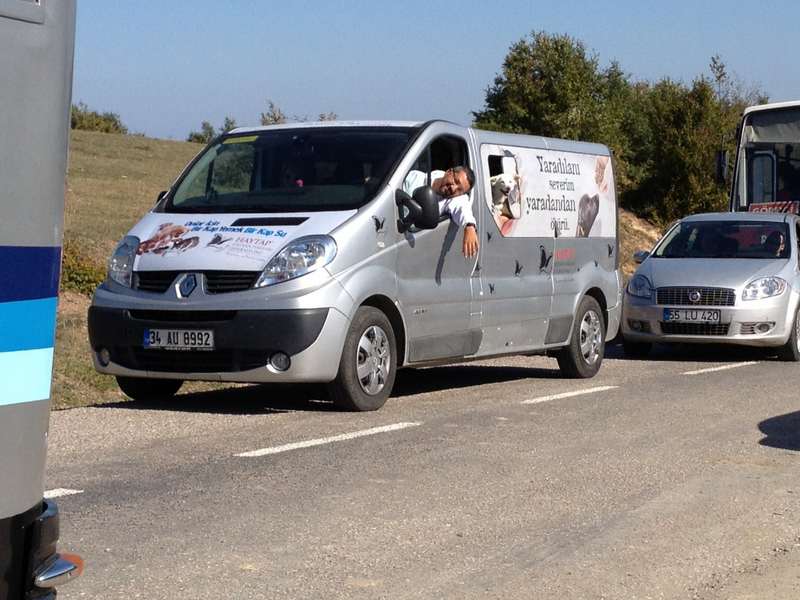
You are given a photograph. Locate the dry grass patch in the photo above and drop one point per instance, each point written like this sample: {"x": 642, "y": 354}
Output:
{"x": 634, "y": 234}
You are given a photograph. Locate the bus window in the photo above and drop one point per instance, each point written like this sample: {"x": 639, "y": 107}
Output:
{"x": 762, "y": 178}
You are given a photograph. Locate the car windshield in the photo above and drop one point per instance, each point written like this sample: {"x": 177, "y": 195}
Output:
{"x": 726, "y": 239}
{"x": 290, "y": 170}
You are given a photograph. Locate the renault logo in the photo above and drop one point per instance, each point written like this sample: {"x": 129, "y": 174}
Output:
{"x": 187, "y": 285}
{"x": 695, "y": 296}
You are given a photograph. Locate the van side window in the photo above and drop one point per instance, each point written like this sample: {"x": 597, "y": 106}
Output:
{"x": 443, "y": 153}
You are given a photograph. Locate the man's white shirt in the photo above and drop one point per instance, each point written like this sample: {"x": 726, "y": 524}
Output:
{"x": 459, "y": 208}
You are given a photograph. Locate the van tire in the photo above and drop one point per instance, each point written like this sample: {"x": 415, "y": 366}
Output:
{"x": 139, "y": 388}
{"x": 636, "y": 349}
{"x": 790, "y": 351}
{"x": 370, "y": 344}
{"x": 582, "y": 358}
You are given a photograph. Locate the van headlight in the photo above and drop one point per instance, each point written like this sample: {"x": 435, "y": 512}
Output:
{"x": 640, "y": 287}
{"x": 297, "y": 258}
{"x": 120, "y": 265}
{"x": 766, "y": 287}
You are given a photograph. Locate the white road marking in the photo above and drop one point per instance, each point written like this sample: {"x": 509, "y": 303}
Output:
{"x": 328, "y": 440}
{"x": 593, "y": 390}
{"x": 59, "y": 492}
{"x": 722, "y": 368}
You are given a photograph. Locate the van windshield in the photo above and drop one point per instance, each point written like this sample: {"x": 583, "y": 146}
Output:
{"x": 726, "y": 239}
{"x": 289, "y": 170}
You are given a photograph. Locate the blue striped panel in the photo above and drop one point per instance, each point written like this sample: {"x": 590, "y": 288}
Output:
{"x": 29, "y": 273}
{"x": 25, "y": 376}
{"x": 27, "y": 325}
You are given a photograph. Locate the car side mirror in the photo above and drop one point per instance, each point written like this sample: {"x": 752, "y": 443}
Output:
{"x": 421, "y": 210}
{"x": 639, "y": 256}
{"x": 160, "y": 196}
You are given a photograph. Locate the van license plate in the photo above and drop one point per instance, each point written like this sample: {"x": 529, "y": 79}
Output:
{"x": 179, "y": 339}
{"x": 691, "y": 315}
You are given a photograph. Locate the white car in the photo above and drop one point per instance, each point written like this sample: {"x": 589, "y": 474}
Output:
{"x": 728, "y": 278}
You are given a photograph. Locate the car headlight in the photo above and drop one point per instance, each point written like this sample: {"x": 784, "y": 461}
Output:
{"x": 640, "y": 287}
{"x": 120, "y": 265}
{"x": 766, "y": 287}
{"x": 297, "y": 258}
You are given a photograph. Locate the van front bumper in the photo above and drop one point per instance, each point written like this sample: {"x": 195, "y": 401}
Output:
{"x": 244, "y": 342}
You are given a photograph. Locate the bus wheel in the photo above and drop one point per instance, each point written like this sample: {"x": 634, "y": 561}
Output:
{"x": 139, "y": 388}
{"x": 368, "y": 364}
{"x": 583, "y": 356}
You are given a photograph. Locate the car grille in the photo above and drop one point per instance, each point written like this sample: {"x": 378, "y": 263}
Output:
{"x": 187, "y": 361}
{"x": 216, "y": 282}
{"x": 695, "y": 328}
{"x": 709, "y": 296}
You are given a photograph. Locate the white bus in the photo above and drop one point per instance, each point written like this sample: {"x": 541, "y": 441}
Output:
{"x": 767, "y": 167}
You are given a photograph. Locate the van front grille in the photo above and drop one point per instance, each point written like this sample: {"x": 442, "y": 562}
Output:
{"x": 682, "y": 296}
{"x": 220, "y": 282}
{"x": 216, "y": 282}
{"x": 156, "y": 282}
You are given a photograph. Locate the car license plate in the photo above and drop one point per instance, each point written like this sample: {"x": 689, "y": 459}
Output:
{"x": 179, "y": 339}
{"x": 691, "y": 315}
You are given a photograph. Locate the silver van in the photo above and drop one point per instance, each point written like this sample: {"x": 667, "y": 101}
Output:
{"x": 297, "y": 253}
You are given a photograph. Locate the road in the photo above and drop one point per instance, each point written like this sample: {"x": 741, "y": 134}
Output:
{"x": 667, "y": 478}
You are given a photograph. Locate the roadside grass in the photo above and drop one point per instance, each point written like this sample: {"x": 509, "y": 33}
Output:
{"x": 113, "y": 180}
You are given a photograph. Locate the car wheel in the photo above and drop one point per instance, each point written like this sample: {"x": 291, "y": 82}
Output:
{"x": 583, "y": 356}
{"x": 790, "y": 351}
{"x": 139, "y": 388}
{"x": 636, "y": 349}
{"x": 368, "y": 364}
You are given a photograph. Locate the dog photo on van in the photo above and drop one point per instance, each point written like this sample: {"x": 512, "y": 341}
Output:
{"x": 507, "y": 193}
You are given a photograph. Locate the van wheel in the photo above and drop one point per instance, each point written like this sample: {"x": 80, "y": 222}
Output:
{"x": 139, "y": 388}
{"x": 584, "y": 355}
{"x": 368, "y": 365}
{"x": 636, "y": 349}
{"x": 790, "y": 351}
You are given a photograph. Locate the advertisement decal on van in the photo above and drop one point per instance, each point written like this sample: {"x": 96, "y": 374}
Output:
{"x": 231, "y": 242}
{"x": 531, "y": 192}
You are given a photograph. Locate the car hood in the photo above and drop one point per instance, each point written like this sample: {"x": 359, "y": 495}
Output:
{"x": 708, "y": 272}
{"x": 229, "y": 242}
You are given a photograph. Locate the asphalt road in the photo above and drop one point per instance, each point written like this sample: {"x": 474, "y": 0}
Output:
{"x": 661, "y": 482}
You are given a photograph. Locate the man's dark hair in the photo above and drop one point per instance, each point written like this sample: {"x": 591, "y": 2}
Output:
{"x": 470, "y": 174}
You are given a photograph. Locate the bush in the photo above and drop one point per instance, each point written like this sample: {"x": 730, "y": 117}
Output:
{"x": 90, "y": 120}
{"x": 78, "y": 271}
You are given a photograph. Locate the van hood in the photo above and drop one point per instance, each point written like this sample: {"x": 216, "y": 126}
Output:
{"x": 226, "y": 242}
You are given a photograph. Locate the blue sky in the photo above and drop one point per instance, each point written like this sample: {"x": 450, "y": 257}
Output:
{"x": 165, "y": 66}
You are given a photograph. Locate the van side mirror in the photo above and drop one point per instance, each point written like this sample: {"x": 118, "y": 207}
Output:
{"x": 722, "y": 166}
{"x": 160, "y": 196}
{"x": 421, "y": 210}
{"x": 639, "y": 256}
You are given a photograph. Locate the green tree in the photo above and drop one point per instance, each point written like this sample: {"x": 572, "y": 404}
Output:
{"x": 550, "y": 85}
{"x": 229, "y": 124}
{"x": 205, "y": 135}
{"x": 274, "y": 115}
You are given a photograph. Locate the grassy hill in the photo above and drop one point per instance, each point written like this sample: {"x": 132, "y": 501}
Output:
{"x": 113, "y": 180}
